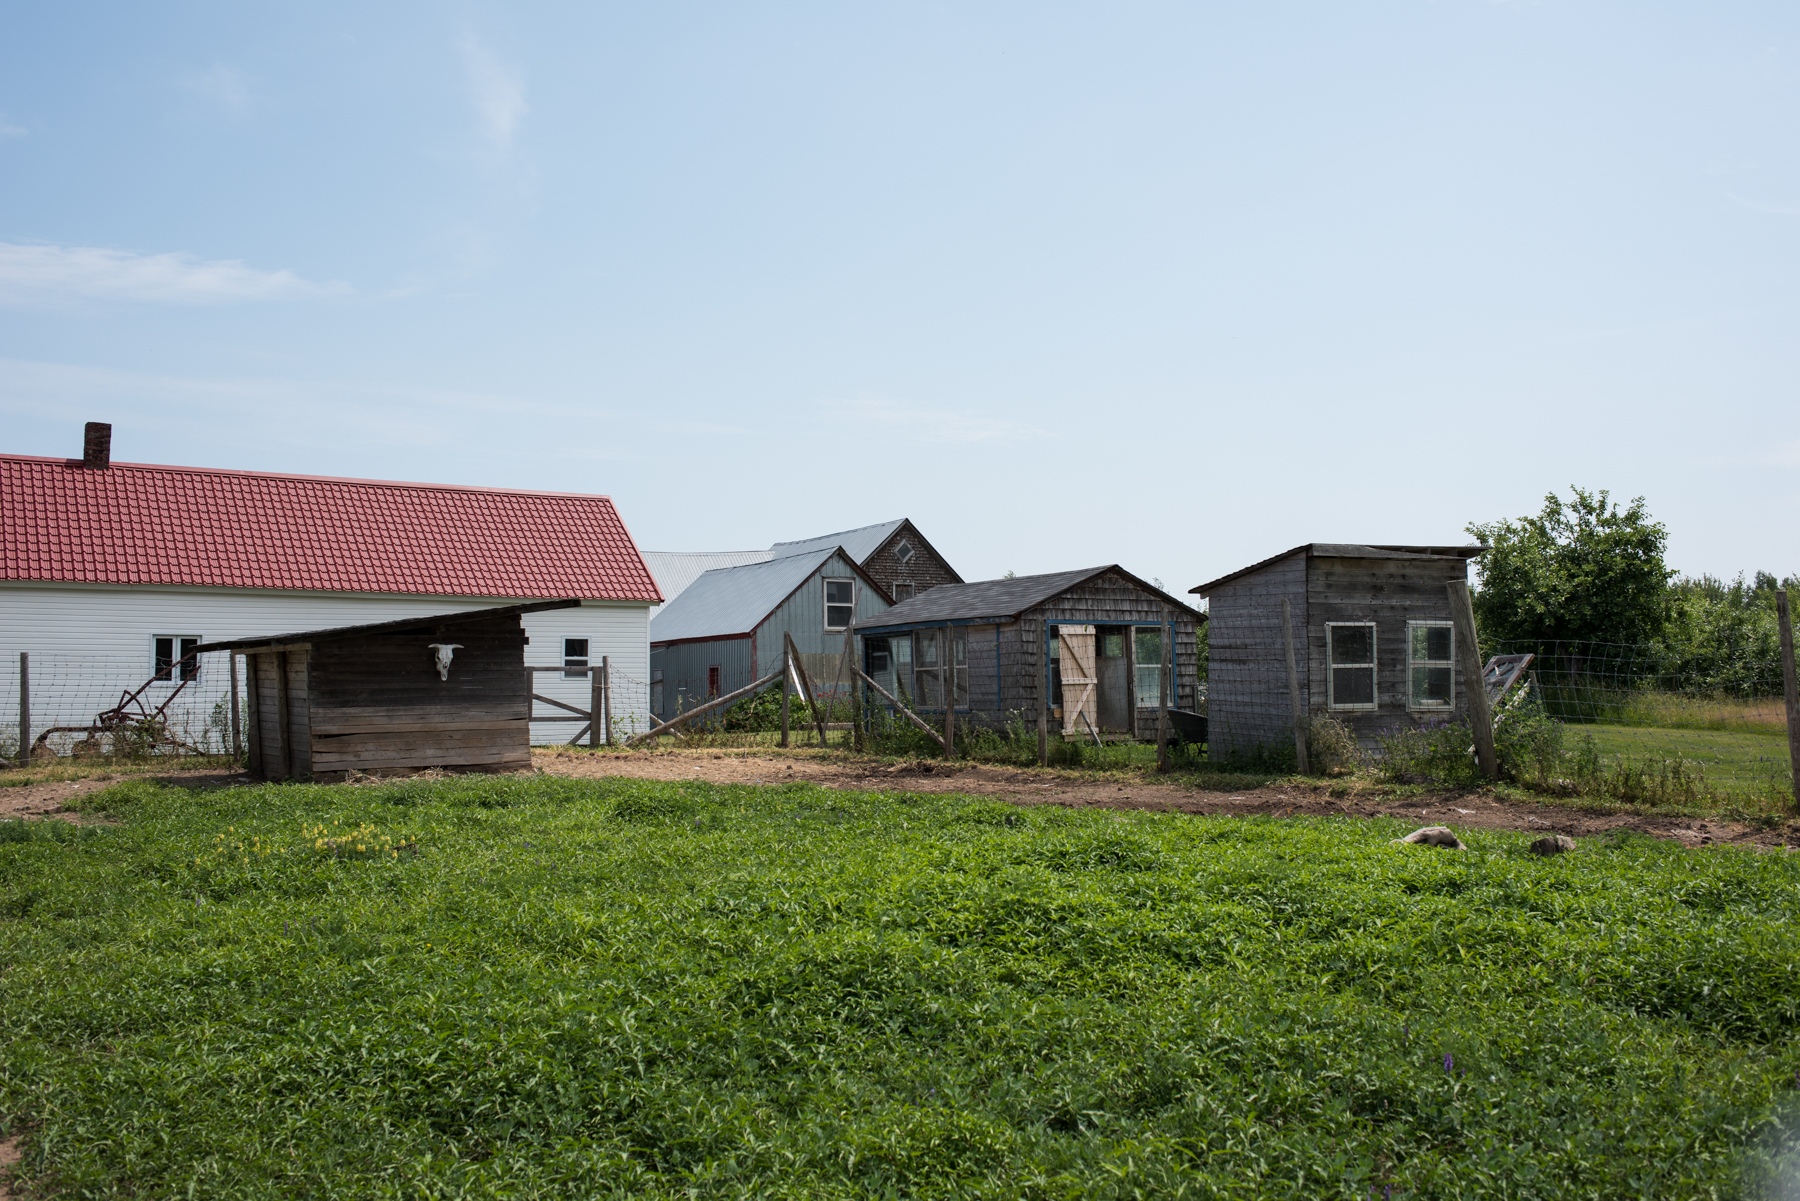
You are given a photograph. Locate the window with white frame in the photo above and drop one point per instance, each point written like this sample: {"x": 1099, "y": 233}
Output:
{"x": 903, "y": 592}
{"x": 169, "y": 657}
{"x": 1350, "y": 664}
{"x": 575, "y": 654}
{"x": 1149, "y": 660}
{"x": 903, "y": 551}
{"x": 839, "y": 604}
{"x": 1430, "y": 665}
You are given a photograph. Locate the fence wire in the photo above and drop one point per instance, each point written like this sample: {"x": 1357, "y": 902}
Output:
{"x": 68, "y": 693}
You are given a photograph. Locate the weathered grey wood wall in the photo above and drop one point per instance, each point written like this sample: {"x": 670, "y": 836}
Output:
{"x": 924, "y": 571}
{"x": 1247, "y": 703}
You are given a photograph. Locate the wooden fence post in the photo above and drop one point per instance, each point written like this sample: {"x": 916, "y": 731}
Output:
{"x": 1468, "y": 657}
{"x": 1790, "y": 687}
{"x": 237, "y": 729}
{"x": 787, "y": 689}
{"x": 1296, "y": 706}
{"x": 1162, "y": 712}
{"x": 807, "y": 691}
{"x": 1043, "y": 653}
{"x": 949, "y": 653}
{"x": 595, "y": 722}
{"x": 24, "y": 709}
{"x": 606, "y": 695}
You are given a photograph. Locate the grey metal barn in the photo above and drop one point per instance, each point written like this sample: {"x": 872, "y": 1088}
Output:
{"x": 450, "y": 690}
{"x": 729, "y": 626}
{"x": 1374, "y": 641}
{"x": 1087, "y": 643}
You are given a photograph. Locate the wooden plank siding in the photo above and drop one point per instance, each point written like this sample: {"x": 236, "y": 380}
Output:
{"x": 1247, "y": 702}
{"x": 1390, "y": 593}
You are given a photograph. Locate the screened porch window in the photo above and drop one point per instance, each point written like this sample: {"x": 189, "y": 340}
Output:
{"x": 1350, "y": 665}
{"x": 1430, "y": 659}
{"x": 1149, "y": 655}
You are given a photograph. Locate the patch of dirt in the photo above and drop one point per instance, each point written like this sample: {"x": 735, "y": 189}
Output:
{"x": 50, "y": 798}
{"x": 10, "y": 1154}
{"x": 1040, "y": 786}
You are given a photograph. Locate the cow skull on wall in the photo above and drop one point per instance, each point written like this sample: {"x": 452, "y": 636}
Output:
{"x": 444, "y": 651}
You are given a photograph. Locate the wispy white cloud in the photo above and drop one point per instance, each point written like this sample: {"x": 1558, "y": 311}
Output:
{"x": 497, "y": 91}
{"x": 224, "y": 87}
{"x": 33, "y": 274}
{"x": 912, "y": 422}
{"x": 9, "y": 130}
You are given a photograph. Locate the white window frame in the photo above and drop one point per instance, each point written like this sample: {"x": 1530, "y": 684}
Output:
{"x": 175, "y": 656}
{"x": 825, "y": 597}
{"x": 575, "y": 667}
{"x": 903, "y": 551}
{"x": 1435, "y": 707}
{"x": 1373, "y": 666}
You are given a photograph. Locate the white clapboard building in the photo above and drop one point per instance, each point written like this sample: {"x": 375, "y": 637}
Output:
{"x": 109, "y": 571}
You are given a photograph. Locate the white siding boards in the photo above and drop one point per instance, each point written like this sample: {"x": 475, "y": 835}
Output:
{"x": 1341, "y": 593}
{"x": 108, "y": 630}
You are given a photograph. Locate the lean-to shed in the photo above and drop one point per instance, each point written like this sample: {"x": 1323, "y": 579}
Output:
{"x": 444, "y": 691}
{"x": 1374, "y": 642}
{"x": 729, "y": 627}
{"x": 1088, "y": 644}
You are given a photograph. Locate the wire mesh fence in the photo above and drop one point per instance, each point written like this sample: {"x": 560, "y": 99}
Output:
{"x": 1700, "y": 718}
{"x": 102, "y": 705}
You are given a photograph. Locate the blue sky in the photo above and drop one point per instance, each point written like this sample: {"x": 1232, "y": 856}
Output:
{"x": 1175, "y": 286}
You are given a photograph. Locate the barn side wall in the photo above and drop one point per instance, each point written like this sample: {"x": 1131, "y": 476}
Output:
{"x": 684, "y": 673}
{"x": 802, "y": 615}
{"x": 1390, "y": 593}
{"x": 1248, "y": 704}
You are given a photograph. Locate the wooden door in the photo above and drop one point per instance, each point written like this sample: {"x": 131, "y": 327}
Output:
{"x": 1114, "y": 680}
{"x": 1080, "y": 705}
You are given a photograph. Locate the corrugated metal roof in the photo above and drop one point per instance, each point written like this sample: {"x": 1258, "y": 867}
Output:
{"x": 730, "y": 601}
{"x": 139, "y": 523}
{"x": 859, "y": 544}
{"x": 1347, "y": 550}
{"x": 997, "y": 599}
{"x": 676, "y": 570}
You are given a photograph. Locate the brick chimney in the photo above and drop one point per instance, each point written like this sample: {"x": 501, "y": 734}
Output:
{"x": 96, "y": 445}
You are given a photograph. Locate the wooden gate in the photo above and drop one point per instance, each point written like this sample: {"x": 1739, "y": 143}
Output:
{"x": 598, "y": 714}
{"x": 1078, "y": 679}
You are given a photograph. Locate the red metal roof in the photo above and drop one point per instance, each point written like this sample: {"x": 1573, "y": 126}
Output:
{"x": 137, "y": 523}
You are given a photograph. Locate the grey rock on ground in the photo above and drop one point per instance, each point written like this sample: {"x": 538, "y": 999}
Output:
{"x": 1434, "y": 836}
{"x": 1553, "y": 844}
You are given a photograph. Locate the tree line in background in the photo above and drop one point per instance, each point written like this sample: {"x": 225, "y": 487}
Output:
{"x": 1587, "y": 571}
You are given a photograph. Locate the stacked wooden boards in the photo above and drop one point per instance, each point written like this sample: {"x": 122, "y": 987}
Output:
{"x": 369, "y": 698}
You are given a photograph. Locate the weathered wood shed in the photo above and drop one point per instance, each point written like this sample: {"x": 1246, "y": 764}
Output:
{"x": 1374, "y": 642}
{"x": 444, "y": 691}
{"x": 1088, "y": 644}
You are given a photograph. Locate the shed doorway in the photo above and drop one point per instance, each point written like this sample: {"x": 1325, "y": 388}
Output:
{"x": 1114, "y": 684}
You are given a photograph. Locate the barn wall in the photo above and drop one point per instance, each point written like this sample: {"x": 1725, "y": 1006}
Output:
{"x": 684, "y": 671}
{"x": 802, "y": 615}
{"x": 96, "y": 640}
{"x": 1390, "y": 593}
{"x": 377, "y": 701}
{"x": 1247, "y": 689}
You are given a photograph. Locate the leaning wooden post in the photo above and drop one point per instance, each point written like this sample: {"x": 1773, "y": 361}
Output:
{"x": 787, "y": 689}
{"x": 237, "y": 729}
{"x": 1162, "y": 711}
{"x": 807, "y": 692}
{"x": 1468, "y": 657}
{"x": 949, "y": 692}
{"x": 606, "y": 695}
{"x": 24, "y": 709}
{"x": 1790, "y": 687}
{"x": 1295, "y": 705}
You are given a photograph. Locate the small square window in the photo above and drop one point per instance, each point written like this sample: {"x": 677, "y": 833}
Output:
{"x": 903, "y": 592}
{"x": 170, "y": 660}
{"x": 1350, "y": 665}
{"x": 575, "y": 654}
{"x": 903, "y": 551}
{"x": 1430, "y": 665}
{"x": 840, "y": 608}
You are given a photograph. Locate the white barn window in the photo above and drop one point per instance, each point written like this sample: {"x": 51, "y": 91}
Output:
{"x": 168, "y": 652}
{"x": 1350, "y": 665}
{"x": 575, "y": 654}
{"x": 1430, "y": 665}
{"x": 839, "y": 610}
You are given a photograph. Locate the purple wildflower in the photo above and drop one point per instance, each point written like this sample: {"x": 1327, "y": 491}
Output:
{"x": 1449, "y": 1063}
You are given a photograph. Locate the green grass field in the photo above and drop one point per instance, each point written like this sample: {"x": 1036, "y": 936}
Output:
{"x": 545, "y": 987}
{"x": 1735, "y": 761}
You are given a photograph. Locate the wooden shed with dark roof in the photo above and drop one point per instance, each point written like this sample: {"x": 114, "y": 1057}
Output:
{"x": 1374, "y": 641}
{"x": 1087, "y": 644}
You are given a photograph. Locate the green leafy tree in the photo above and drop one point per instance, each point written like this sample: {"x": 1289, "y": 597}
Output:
{"x": 1581, "y": 570}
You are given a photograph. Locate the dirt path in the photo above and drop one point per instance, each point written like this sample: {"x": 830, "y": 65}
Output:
{"x": 1025, "y": 786}
{"x": 1037, "y": 786}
